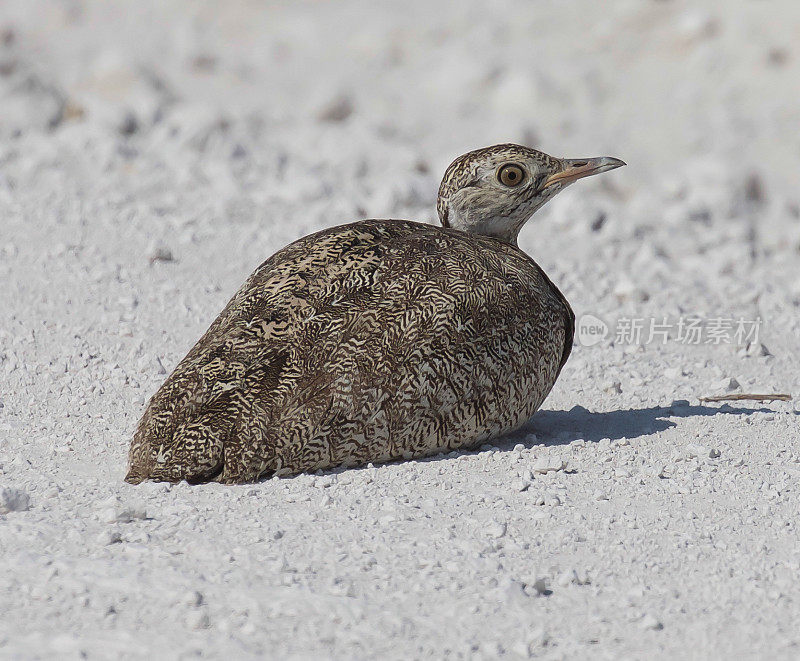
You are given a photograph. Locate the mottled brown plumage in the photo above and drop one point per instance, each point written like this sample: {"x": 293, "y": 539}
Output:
{"x": 377, "y": 340}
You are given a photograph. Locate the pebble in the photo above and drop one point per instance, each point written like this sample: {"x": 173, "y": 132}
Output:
{"x": 696, "y": 450}
{"x": 572, "y": 577}
{"x": 115, "y": 511}
{"x": 659, "y": 470}
{"x": 538, "y": 586}
{"x": 161, "y": 253}
{"x": 337, "y": 109}
{"x": 108, "y": 537}
{"x": 495, "y": 530}
{"x": 551, "y": 500}
{"x": 755, "y": 349}
{"x": 728, "y": 384}
{"x": 650, "y": 622}
{"x": 547, "y": 464}
{"x": 13, "y": 500}
{"x": 521, "y": 484}
{"x": 197, "y": 619}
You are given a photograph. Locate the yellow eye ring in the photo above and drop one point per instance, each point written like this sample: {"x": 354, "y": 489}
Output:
{"x": 511, "y": 175}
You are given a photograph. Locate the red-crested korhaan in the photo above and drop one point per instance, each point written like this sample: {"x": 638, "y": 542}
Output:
{"x": 376, "y": 340}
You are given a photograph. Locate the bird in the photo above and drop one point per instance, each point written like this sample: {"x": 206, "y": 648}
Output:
{"x": 377, "y": 340}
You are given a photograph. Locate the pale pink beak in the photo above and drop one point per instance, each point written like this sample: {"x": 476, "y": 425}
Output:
{"x": 578, "y": 168}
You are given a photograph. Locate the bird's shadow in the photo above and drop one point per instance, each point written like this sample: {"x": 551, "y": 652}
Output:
{"x": 563, "y": 427}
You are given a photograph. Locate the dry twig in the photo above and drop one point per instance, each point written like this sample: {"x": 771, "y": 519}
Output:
{"x": 757, "y": 398}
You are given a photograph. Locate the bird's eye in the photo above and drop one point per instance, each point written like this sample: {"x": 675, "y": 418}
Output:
{"x": 511, "y": 174}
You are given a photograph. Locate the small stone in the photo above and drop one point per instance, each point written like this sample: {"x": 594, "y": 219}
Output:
{"x": 762, "y": 350}
{"x": 115, "y": 511}
{"x": 659, "y": 470}
{"x": 519, "y": 447}
{"x": 521, "y": 484}
{"x": 193, "y": 599}
{"x": 547, "y": 464}
{"x": 161, "y": 253}
{"x": 626, "y": 289}
{"x": 197, "y": 619}
{"x": 129, "y": 124}
{"x": 650, "y": 622}
{"x": 108, "y": 537}
{"x": 572, "y": 577}
{"x": 521, "y": 649}
{"x": 697, "y": 25}
{"x": 337, "y": 110}
{"x": 538, "y": 585}
{"x": 565, "y": 579}
{"x": 728, "y": 384}
{"x": 496, "y": 529}
{"x": 713, "y": 453}
{"x": 696, "y": 450}
{"x": 515, "y": 591}
{"x": 13, "y": 500}
{"x": 600, "y": 495}
{"x": 551, "y": 500}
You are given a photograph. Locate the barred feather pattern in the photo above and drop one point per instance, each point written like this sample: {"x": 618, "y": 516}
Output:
{"x": 368, "y": 342}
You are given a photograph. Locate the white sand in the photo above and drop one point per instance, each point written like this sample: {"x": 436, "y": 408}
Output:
{"x": 131, "y": 130}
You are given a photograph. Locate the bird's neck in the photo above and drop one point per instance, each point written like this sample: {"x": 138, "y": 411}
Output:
{"x": 501, "y": 228}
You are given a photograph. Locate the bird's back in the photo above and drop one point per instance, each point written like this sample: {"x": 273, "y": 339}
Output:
{"x": 366, "y": 342}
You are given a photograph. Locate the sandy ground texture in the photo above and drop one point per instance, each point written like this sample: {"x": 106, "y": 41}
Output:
{"x": 152, "y": 154}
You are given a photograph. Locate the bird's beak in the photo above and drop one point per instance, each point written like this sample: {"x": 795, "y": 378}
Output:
{"x": 578, "y": 168}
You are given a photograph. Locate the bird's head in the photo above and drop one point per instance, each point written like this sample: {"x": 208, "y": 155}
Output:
{"x": 493, "y": 191}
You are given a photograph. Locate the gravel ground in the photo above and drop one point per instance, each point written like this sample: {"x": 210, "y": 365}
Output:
{"x": 153, "y": 153}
